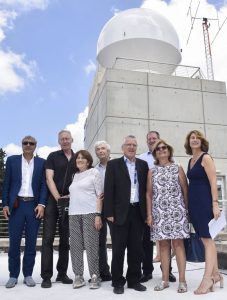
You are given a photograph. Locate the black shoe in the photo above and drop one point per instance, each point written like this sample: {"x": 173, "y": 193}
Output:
{"x": 145, "y": 277}
{"x": 137, "y": 287}
{"x": 172, "y": 278}
{"x": 64, "y": 279}
{"x": 106, "y": 277}
{"x": 46, "y": 283}
{"x": 118, "y": 290}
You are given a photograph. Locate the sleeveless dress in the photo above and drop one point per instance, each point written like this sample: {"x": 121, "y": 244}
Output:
{"x": 170, "y": 217}
{"x": 199, "y": 198}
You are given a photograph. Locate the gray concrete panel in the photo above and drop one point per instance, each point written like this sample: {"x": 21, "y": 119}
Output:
{"x": 213, "y": 86}
{"x": 127, "y": 100}
{"x": 175, "y": 82}
{"x": 175, "y": 133}
{"x": 217, "y": 137}
{"x": 215, "y": 108}
{"x": 117, "y": 129}
{"x": 126, "y": 76}
{"x": 175, "y": 105}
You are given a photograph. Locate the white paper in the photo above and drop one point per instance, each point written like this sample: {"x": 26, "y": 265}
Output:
{"x": 215, "y": 226}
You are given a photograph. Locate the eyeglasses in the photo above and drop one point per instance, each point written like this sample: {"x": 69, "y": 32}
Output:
{"x": 131, "y": 145}
{"x": 159, "y": 148}
{"x": 25, "y": 143}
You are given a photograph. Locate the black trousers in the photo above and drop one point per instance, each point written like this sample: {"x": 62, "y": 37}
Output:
{"x": 104, "y": 268}
{"x": 147, "y": 264}
{"x": 128, "y": 235}
{"x": 55, "y": 212}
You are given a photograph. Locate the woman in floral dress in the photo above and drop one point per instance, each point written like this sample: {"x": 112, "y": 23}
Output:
{"x": 167, "y": 211}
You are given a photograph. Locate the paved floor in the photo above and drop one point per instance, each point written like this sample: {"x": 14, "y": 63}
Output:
{"x": 60, "y": 291}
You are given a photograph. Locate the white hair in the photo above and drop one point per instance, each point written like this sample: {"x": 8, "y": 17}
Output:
{"x": 98, "y": 143}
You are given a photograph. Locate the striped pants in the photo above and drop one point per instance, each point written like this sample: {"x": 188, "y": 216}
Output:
{"x": 84, "y": 236}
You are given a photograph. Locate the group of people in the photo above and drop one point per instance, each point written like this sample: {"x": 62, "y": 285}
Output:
{"x": 143, "y": 200}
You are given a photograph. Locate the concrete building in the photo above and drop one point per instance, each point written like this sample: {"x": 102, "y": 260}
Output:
{"x": 130, "y": 102}
{"x": 133, "y": 95}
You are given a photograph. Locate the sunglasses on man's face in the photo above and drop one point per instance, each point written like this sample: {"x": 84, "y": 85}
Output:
{"x": 25, "y": 143}
{"x": 159, "y": 148}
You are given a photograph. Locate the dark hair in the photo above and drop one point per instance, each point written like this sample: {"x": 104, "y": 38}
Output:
{"x": 85, "y": 155}
{"x": 199, "y": 135}
{"x": 170, "y": 148}
{"x": 153, "y": 131}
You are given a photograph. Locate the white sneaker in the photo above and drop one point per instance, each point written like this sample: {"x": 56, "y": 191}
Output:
{"x": 95, "y": 282}
{"x": 78, "y": 282}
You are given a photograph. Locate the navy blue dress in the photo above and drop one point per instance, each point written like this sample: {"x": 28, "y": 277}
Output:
{"x": 199, "y": 198}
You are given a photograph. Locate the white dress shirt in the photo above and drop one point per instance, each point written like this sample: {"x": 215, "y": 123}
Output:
{"x": 131, "y": 166}
{"x": 148, "y": 157}
{"x": 27, "y": 172}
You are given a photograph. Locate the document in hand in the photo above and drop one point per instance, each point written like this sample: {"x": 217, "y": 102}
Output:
{"x": 215, "y": 226}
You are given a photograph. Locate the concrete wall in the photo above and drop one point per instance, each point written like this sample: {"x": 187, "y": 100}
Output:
{"x": 129, "y": 102}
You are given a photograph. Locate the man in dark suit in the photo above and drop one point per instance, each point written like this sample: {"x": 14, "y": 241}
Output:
{"x": 23, "y": 198}
{"x": 125, "y": 207}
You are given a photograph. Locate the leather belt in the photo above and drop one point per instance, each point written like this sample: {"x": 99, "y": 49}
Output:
{"x": 134, "y": 204}
{"x": 25, "y": 199}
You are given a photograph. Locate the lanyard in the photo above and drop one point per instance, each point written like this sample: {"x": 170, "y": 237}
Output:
{"x": 135, "y": 176}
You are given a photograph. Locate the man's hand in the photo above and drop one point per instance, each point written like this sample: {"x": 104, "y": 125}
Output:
{"x": 39, "y": 211}
{"x": 6, "y": 212}
{"x": 111, "y": 219}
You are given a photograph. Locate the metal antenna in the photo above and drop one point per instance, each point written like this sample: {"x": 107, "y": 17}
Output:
{"x": 192, "y": 18}
{"x": 207, "y": 44}
{"x": 220, "y": 28}
{"x": 209, "y": 62}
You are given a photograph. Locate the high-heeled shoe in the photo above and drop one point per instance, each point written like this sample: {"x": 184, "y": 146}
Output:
{"x": 219, "y": 278}
{"x": 206, "y": 286}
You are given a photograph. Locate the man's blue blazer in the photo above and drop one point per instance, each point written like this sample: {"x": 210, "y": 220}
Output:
{"x": 13, "y": 180}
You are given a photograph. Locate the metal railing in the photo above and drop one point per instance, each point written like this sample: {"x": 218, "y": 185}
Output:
{"x": 4, "y": 233}
{"x": 157, "y": 67}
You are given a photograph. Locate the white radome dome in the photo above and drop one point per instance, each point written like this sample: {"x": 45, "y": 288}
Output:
{"x": 139, "y": 34}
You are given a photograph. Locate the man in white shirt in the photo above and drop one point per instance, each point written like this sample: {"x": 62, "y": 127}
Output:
{"x": 147, "y": 265}
{"x": 24, "y": 197}
{"x": 102, "y": 150}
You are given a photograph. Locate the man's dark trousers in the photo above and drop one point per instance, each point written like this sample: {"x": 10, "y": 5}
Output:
{"x": 127, "y": 235}
{"x": 147, "y": 265}
{"x": 54, "y": 212}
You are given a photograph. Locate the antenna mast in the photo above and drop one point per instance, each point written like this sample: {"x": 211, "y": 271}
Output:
{"x": 207, "y": 44}
{"x": 209, "y": 62}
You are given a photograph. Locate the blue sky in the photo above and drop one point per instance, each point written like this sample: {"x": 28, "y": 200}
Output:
{"x": 47, "y": 63}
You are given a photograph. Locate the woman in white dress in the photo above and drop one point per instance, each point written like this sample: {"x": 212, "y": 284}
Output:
{"x": 85, "y": 208}
{"x": 167, "y": 211}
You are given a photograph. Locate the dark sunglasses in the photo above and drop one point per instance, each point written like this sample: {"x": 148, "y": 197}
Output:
{"x": 25, "y": 143}
{"x": 161, "y": 148}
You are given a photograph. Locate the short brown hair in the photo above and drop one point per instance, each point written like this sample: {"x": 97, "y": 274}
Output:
{"x": 85, "y": 155}
{"x": 170, "y": 148}
{"x": 199, "y": 135}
